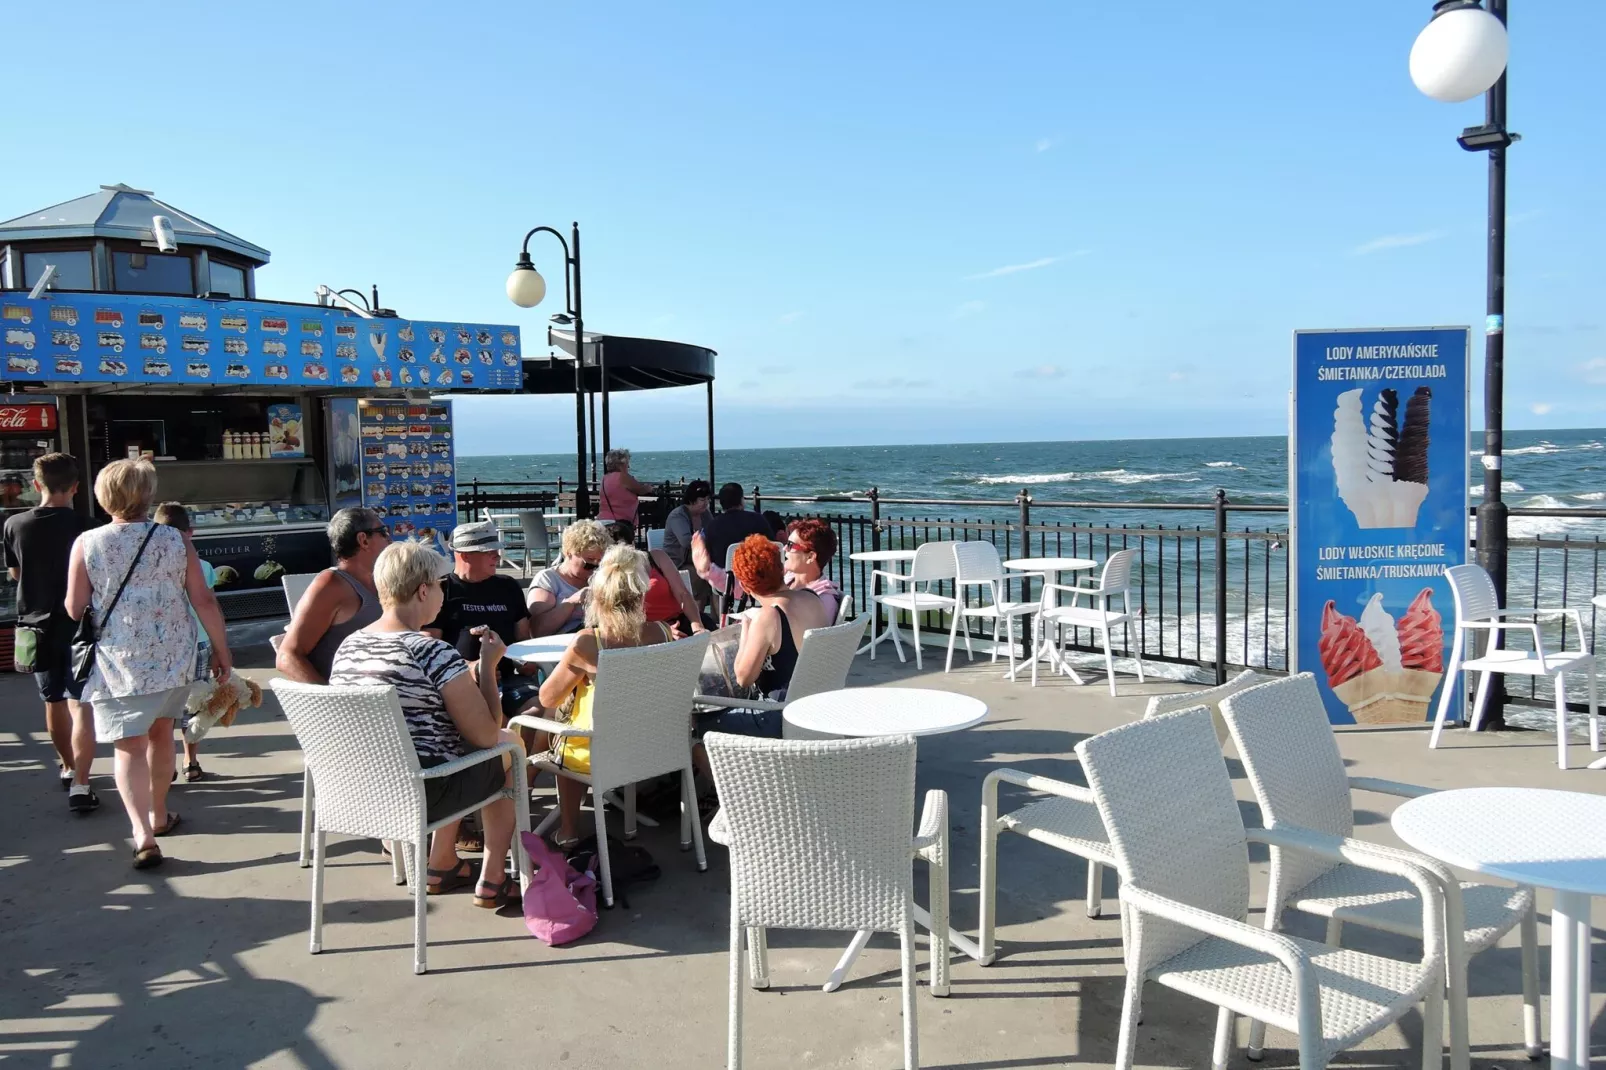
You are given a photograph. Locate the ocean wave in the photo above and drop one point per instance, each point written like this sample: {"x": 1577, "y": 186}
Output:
{"x": 1544, "y": 501}
{"x": 1507, "y": 486}
{"x": 1543, "y": 447}
{"x": 1109, "y": 475}
{"x": 1221, "y": 464}
{"x": 1592, "y": 496}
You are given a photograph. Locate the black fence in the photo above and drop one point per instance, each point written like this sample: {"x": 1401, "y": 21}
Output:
{"x": 1212, "y": 595}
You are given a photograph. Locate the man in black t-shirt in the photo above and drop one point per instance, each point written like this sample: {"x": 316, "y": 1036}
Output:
{"x": 38, "y": 543}
{"x": 732, "y": 524}
{"x": 476, "y": 594}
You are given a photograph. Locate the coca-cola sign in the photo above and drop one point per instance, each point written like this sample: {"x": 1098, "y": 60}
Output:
{"x": 27, "y": 417}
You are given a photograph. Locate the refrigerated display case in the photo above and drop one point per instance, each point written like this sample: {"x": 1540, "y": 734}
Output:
{"x": 28, "y": 429}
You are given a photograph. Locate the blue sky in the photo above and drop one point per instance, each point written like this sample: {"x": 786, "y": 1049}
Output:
{"x": 896, "y": 223}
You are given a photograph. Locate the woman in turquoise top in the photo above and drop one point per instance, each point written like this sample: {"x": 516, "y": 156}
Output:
{"x": 174, "y": 515}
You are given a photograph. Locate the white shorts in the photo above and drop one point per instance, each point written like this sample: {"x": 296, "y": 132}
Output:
{"x": 132, "y": 715}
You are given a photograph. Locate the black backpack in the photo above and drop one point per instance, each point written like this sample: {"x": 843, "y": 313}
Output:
{"x": 629, "y": 865}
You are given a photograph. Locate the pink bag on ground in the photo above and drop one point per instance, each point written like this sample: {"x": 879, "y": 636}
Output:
{"x": 560, "y": 906}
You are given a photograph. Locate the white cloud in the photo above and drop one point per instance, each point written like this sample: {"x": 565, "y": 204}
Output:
{"x": 1030, "y": 265}
{"x": 791, "y": 317}
{"x": 894, "y": 383}
{"x": 1594, "y": 371}
{"x": 1041, "y": 371}
{"x": 1044, "y": 144}
{"x": 1540, "y": 408}
{"x": 1396, "y": 241}
{"x": 1177, "y": 377}
{"x": 968, "y": 308}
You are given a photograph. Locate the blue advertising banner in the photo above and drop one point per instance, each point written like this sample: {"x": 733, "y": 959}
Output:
{"x": 1379, "y": 485}
{"x": 408, "y": 474}
{"x": 128, "y": 338}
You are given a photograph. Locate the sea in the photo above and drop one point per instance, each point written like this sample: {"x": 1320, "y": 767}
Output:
{"x": 1542, "y": 469}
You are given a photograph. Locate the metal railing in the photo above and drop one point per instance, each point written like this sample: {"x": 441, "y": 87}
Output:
{"x": 1212, "y": 595}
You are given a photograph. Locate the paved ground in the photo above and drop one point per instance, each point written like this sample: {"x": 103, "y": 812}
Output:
{"x": 205, "y": 963}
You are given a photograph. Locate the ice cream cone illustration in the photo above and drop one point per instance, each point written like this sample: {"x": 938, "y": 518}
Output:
{"x": 1382, "y": 673}
{"x": 1380, "y": 468}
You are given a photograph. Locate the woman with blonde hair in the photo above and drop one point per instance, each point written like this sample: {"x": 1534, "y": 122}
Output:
{"x": 558, "y": 594}
{"x": 137, "y": 580}
{"x": 616, "y": 617}
{"x": 620, "y": 491}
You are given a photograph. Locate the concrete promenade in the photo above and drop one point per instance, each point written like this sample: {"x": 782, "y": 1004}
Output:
{"x": 204, "y": 962}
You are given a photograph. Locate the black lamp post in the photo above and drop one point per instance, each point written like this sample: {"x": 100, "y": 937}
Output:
{"x": 1460, "y": 54}
{"x": 526, "y": 288}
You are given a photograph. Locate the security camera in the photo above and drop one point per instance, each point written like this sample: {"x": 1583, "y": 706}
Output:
{"x": 162, "y": 231}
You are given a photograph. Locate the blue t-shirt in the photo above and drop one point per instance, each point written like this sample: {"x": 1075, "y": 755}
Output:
{"x": 210, "y": 574}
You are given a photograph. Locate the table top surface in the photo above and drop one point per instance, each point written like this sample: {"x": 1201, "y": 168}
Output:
{"x": 1599, "y": 600}
{"x": 886, "y": 711}
{"x": 1551, "y": 839}
{"x": 548, "y": 650}
{"x": 1052, "y": 564}
{"x": 883, "y": 555}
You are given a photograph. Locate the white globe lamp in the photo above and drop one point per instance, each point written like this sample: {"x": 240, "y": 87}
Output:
{"x": 525, "y": 286}
{"x": 1460, "y": 54}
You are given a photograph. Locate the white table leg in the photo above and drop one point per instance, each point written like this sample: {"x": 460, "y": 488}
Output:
{"x": 957, "y": 940}
{"x": 1569, "y": 982}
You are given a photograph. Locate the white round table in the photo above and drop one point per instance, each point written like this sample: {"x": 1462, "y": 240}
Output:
{"x": 1534, "y": 836}
{"x": 896, "y": 558}
{"x": 884, "y": 711}
{"x": 548, "y": 650}
{"x": 1049, "y": 567}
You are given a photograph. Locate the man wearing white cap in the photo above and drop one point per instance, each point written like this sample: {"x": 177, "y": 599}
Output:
{"x": 475, "y": 594}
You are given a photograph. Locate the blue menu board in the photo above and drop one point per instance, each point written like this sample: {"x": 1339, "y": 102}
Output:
{"x": 408, "y": 467}
{"x": 127, "y": 338}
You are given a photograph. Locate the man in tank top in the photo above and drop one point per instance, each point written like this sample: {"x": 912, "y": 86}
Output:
{"x": 340, "y": 601}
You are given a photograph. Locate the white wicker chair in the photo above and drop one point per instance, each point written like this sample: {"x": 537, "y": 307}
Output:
{"x": 639, "y": 729}
{"x": 295, "y": 586}
{"x": 818, "y": 832}
{"x": 823, "y": 662}
{"x": 1068, "y": 820}
{"x": 844, "y": 610}
{"x": 1163, "y": 791}
{"x": 370, "y": 784}
{"x": 1476, "y": 609}
{"x": 933, "y": 563}
{"x": 1210, "y": 697}
{"x": 976, "y": 564}
{"x": 1287, "y": 747}
{"x": 1114, "y": 582}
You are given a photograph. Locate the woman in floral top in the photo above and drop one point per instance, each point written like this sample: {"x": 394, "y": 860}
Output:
{"x": 145, "y": 661}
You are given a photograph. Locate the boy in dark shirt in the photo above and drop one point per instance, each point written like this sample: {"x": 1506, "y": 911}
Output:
{"x": 37, "y": 545}
{"x": 476, "y": 594}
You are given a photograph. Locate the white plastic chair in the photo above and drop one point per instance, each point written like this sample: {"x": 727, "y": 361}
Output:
{"x": 933, "y": 563}
{"x": 295, "y": 588}
{"x": 798, "y": 817}
{"x": 370, "y": 784}
{"x": 639, "y": 729}
{"x": 1163, "y": 791}
{"x": 844, "y": 609}
{"x": 1287, "y": 747}
{"x": 976, "y": 564}
{"x": 1477, "y": 609}
{"x": 655, "y": 538}
{"x": 1114, "y": 582}
{"x": 1068, "y": 820}
{"x": 537, "y": 539}
{"x": 823, "y": 662}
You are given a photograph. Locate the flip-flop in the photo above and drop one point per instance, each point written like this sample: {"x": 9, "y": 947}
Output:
{"x": 174, "y": 820}
{"x": 148, "y": 857}
{"x": 450, "y": 879}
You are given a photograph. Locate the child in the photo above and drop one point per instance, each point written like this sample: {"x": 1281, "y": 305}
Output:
{"x": 174, "y": 515}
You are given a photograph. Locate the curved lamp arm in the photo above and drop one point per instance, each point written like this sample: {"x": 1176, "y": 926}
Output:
{"x": 524, "y": 261}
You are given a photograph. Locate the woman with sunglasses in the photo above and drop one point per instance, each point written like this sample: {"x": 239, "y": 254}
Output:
{"x": 810, "y": 545}
{"x": 558, "y": 594}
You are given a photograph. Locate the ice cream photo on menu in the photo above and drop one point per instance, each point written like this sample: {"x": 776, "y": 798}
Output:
{"x": 1380, "y": 465}
{"x": 1384, "y": 671}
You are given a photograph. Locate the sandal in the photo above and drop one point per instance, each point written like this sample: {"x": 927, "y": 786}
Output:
{"x": 501, "y": 894}
{"x": 194, "y": 772}
{"x": 148, "y": 857}
{"x": 173, "y": 822}
{"x": 450, "y": 880}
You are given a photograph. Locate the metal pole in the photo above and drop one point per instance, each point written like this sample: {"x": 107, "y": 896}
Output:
{"x": 582, "y": 489}
{"x": 711, "y": 432}
{"x": 1221, "y": 586}
{"x": 1492, "y": 512}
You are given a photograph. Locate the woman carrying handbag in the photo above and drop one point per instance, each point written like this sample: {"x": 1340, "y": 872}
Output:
{"x": 127, "y": 585}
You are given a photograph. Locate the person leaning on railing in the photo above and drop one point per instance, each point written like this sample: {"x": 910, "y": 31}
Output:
{"x": 620, "y": 491}
{"x": 557, "y": 596}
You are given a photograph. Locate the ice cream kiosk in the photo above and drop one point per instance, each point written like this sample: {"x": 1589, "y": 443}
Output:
{"x": 133, "y": 329}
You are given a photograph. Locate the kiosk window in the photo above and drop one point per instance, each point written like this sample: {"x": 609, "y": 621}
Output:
{"x": 73, "y": 269}
{"x": 152, "y": 273}
{"x": 228, "y": 279}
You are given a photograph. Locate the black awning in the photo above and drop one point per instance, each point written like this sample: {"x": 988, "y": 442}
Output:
{"x": 633, "y": 364}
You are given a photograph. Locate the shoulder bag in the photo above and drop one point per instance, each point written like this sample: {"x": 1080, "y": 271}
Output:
{"x": 86, "y": 642}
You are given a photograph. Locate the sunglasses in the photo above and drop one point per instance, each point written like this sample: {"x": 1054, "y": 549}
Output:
{"x": 590, "y": 566}
{"x": 380, "y": 530}
{"x": 797, "y": 548}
